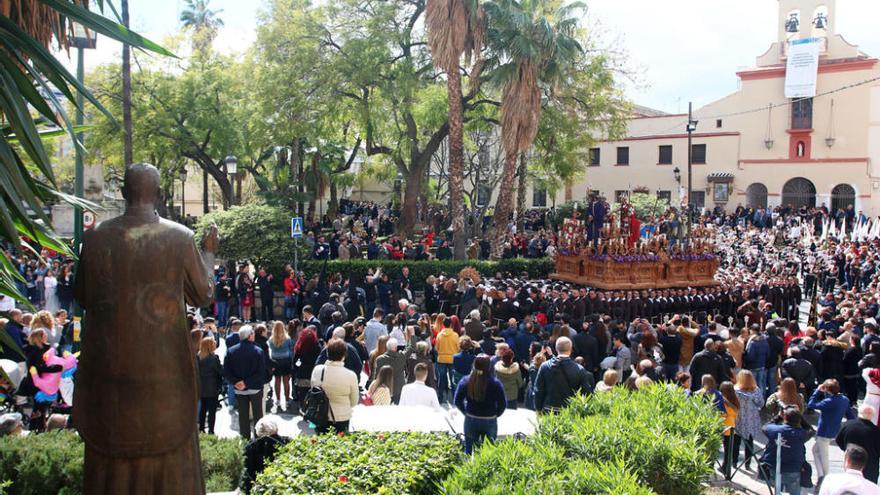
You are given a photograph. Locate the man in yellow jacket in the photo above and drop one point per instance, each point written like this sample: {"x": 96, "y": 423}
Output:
{"x": 447, "y": 347}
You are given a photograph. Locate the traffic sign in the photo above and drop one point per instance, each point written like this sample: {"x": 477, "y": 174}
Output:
{"x": 88, "y": 219}
{"x": 296, "y": 227}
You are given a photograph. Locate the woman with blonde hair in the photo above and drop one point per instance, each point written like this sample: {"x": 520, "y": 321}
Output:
{"x": 748, "y": 421}
{"x": 786, "y": 396}
{"x": 609, "y": 380}
{"x": 38, "y": 344}
{"x": 281, "y": 355}
{"x": 379, "y": 393}
{"x": 210, "y": 383}
{"x": 45, "y": 320}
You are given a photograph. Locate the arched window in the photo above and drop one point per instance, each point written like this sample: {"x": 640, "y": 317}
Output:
{"x": 842, "y": 196}
{"x": 799, "y": 192}
{"x": 756, "y": 195}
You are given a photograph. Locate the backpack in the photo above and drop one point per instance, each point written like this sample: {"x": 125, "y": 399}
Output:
{"x": 317, "y": 405}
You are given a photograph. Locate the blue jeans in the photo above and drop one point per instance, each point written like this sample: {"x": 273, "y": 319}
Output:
{"x": 760, "y": 379}
{"x": 444, "y": 379}
{"x": 791, "y": 483}
{"x": 290, "y": 307}
{"x": 478, "y": 429}
{"x": 221, "y": 312}
{"x": 230, "y": 395}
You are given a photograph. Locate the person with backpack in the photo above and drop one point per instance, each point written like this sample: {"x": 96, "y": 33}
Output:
{"x": 334, "y": 391}
{"x": 560, "y": 378}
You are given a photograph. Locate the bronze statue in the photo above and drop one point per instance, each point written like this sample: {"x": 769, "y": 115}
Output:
{"x": 136, "y": 391}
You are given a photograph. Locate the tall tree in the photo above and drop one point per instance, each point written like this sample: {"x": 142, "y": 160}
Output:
{"x": 205, "y": 23}
{"x": 29, "y": 79}
{"x": 455, "y": 28}
{"x": 534, "y": 43}
{"x": 203, "y": 20}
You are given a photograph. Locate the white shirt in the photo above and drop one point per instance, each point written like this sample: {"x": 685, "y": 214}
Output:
{"x": 372, "y": 332}
{"x": 419, "y": 394}
{"x": 850, "y": 481}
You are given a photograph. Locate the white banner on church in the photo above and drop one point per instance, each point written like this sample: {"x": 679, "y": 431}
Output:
{"x": 801, "y": 70}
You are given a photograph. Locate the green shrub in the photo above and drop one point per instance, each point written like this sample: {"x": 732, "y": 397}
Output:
{"x": 668, "y": 440}
{"x": 255, "y": 232}
{"x": 653, "y": 441}
{"x": 53, "y": 463}
{"x": 40, "y": 464}
{"x": 513, "y": 467}
{"x": 393, "y": 463}
{"x": 420, "y": 270}
{"x": 222, "y": 462}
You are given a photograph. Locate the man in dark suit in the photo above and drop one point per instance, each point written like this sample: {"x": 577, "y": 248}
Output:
{"x": 863, "y": 432}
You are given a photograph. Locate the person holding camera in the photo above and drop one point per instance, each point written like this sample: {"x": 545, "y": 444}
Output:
{"x": 833, "y": 407}
{"x": 788, "y": 430}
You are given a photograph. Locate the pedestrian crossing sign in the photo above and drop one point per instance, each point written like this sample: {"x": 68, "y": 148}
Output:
{"x": 296, "y": 227}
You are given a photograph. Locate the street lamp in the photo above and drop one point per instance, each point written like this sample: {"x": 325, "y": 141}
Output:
{"x": 182, "y": 174}
{"x": 691, "y": 127}
{"x": 232, "y": 170}
{"x": 82, "y": 39}
{"x": 677, "y": 174}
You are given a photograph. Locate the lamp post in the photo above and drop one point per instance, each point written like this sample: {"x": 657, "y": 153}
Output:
{"x": 232, "y": 170}
{"x": 691, "y": 127}
{"x": 82, "y": 39}
{"x": 182, "y": 175}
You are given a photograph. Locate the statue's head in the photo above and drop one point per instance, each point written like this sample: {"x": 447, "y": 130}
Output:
{"x": 141, "y": 185}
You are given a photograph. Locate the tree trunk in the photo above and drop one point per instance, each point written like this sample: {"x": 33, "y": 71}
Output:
{"x": 314, "y": 196}
{"x": 409, "y": 209}
{"x": 503, "y": 204}
{"x": 296, "y": 171}
{"x": 127, "y": 149}
{"x": 205, "y": 209}
{"x": 333, "y": 207}
{"x": 456, "y": 164}
{"x": 521, "y": 193}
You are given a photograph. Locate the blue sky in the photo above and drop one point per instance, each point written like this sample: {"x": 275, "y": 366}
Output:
{"x": 680, "y": 50}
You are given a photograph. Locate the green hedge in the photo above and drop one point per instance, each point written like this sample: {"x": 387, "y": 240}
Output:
{"x": 420, "y": 270}
{"x": 53, "y": 463}
{"x": 653, "y": 441}
{"x": 261, "y": 234}
{"x": 513, "y": 466}
{"x": 667, "y": 439}
{"x": 357, "y": 463}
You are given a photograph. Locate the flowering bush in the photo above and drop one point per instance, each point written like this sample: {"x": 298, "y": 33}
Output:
{"x": 392, "y": 463}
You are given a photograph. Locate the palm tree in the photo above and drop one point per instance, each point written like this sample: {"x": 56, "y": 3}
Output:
{"x": 29, "y": 106}
{"x": 455, "y": 28}
{"x": 535, "y": 45}
{"x": 203, "y": 20}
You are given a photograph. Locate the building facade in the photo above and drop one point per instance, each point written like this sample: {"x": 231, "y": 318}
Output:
{"x": 755, "y": 147}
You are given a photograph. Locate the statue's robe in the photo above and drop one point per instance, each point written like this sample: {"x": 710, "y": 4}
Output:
{"x": 136, "y": 387}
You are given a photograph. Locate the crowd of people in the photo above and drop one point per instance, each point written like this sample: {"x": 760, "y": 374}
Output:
{"x": 485, "y": 345}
